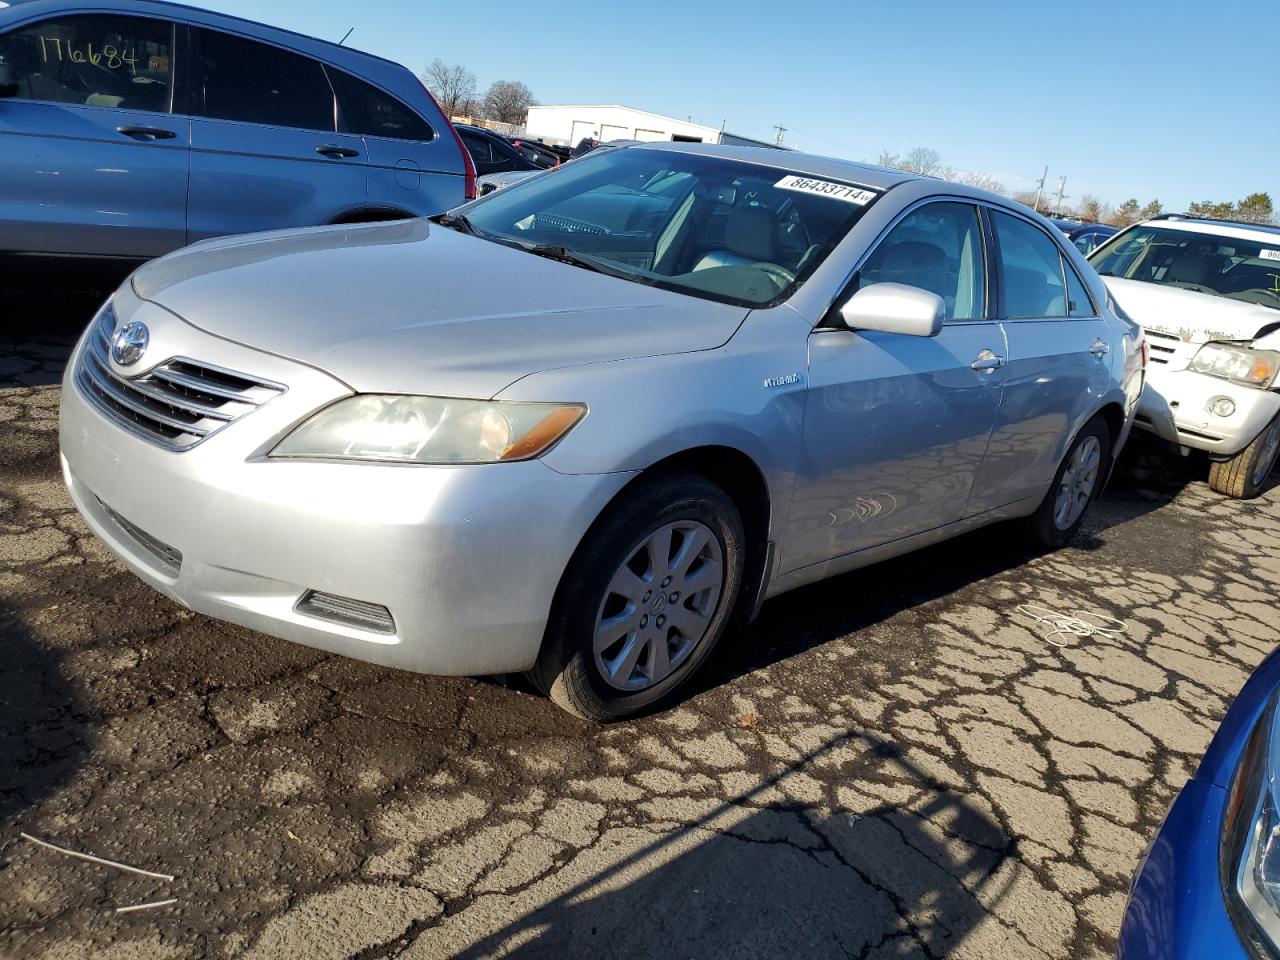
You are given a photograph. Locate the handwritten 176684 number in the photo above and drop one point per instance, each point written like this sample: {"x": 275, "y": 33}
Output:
{"x": 110, "y": 56}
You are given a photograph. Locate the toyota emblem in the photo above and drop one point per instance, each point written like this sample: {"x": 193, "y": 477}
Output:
{"x": 129, "y": 343}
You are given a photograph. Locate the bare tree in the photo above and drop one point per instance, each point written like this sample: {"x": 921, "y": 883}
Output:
{"x": 508, "y": 101}
{"x": 922, "y": 160}
{"x": 453, "y": 86}
{"x": 974, "y": 178}
{"x": 1092, "y": 209}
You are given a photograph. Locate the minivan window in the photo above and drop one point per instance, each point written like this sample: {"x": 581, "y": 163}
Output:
{"x": 94, "y": 59}
{"x": 1030, "y": 269}
{"x": 364, "y": 109}
{"x": 706, "y": 226}
{"x": 937, "y": 247}
{"x": 238, "y": 79}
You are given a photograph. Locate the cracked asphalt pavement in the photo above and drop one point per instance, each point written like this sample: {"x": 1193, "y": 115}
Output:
{"x": 891, "y": 764}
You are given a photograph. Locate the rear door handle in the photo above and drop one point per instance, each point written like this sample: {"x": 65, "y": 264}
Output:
{"x": 988, "y": 360}
{"x": 335, "y": 152}
{"x": 146, "y": 133}
{"x": 1100, "y": 348}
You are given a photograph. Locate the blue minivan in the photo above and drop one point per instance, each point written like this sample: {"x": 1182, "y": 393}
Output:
{"x": 129, "y": 128}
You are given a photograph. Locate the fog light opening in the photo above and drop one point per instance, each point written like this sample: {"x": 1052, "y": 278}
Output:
{"x": 1221, "y": 406}
{"x": 350, "y": 613}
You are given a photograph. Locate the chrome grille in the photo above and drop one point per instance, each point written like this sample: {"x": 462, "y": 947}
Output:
{"x": 1163, "y": 346}
{"x": 175, "y": 405}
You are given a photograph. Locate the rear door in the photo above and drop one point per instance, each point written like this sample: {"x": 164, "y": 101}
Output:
{"x": 265, "y": 151}
{"x": 93, "y": 157}
{"x": 1057, "y": 367}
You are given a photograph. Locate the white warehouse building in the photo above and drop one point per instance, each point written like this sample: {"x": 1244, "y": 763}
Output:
{"x": 604, "y": 122}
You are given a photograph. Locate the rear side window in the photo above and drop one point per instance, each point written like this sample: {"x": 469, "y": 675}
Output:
{"x": 480, "y": 148}
{"x": 238, "y": 79}
{"x": 364, "y": 109}
{"x": 1078, "y": 302}
{"x": 94, "y": 60}
{"x": 1030, "y": 269}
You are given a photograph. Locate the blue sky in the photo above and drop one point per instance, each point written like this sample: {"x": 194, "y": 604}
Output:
{"x": 1170, "y": 99}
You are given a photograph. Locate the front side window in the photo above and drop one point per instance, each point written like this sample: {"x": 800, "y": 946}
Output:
{"x": 94, "y": 60}
{"x": 1030, "y": 269}
{"x": 706, "y": 226}
{"x": 364, "y": 109}
{"x": 1247, "y": 270}
{"x": 937, "y": 247}
{"x": 238, "y": 79}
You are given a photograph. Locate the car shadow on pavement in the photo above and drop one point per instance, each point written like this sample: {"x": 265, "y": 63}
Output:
{"x": 43, "y": 722}
{"x": 765, "y": 878}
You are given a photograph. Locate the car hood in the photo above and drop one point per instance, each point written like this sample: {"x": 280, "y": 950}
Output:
{"x": 1191, "y": 316}
{"x": 412, "y": 307}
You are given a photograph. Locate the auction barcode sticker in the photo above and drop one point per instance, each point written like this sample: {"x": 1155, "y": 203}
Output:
{"x": 826, "y": 188}
{"x": 1266, "y": 254}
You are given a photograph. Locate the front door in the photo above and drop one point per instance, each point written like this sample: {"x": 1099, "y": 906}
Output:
{"x": 896, "y": 427}
{"x": 92, "y": 158}
{"x": 265, "y": 152}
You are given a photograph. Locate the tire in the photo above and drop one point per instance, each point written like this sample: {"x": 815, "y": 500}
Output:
{"x": 1050, "y": 526}
{"x": 706, "y": 536}
{"x": 1245, "y": 474}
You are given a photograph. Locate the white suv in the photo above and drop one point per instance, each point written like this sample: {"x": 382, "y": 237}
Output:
{"x": 1207, "y": 293}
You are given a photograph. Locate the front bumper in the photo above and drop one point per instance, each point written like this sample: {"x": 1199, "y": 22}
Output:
{"x": 1176, "y": 909}
{"x": 1173, "y": 407}
{"x": 466, "y": 558}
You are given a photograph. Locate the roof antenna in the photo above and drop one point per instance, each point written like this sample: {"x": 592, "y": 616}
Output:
{"x": 344, "y": 37}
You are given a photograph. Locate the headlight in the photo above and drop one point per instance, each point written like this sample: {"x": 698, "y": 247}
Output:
{"x": 1254, "y": 368}
{"x": 430, "y": 430}
{"x": 1251, "y": 837}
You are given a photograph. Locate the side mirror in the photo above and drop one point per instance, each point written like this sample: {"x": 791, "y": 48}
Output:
{"x": 8, "y": 80}
{"x": 895, "y": 308}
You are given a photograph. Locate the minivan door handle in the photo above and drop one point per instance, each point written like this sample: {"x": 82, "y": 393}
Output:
{"x": 335, "y": 152}
{"x": 1100, "y": 348}
{"x": 146, "y": 133}
{"x": 988, "y": 360}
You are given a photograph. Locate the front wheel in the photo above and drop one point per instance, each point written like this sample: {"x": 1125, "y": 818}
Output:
{"x": 1075, "y": 487}
{"x": 644, "y": 601}
{"x": 1244, "y": 474}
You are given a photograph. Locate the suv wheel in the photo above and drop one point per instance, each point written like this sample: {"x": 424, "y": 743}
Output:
{"x": 1075, "y": 487}
{"x": 644, "y": 601}
{"x": 1244, "y": 474}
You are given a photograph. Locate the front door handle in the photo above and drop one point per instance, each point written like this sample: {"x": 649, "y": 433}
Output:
{"x": 336, "y": 153}
{"x": 1100, "y": 348}
{"x": 988, "y": 360}
{"x": 146, "y": 133}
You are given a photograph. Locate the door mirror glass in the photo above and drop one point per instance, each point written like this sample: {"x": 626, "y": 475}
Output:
{"x": 8, "y": 80}
{"x": 895, "y": 308}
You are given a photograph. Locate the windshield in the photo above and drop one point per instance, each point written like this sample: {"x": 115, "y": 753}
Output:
{"x": 1224, "y": 266}
{"x": 702, "y": 225}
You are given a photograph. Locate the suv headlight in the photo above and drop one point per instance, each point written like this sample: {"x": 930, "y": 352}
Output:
{"x": 1251, "y": 838}
{"x": 440, "y": 430}
{"x": 1253, "y": 368}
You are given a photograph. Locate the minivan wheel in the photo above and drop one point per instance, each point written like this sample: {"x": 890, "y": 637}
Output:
{"x": 1244, "y": 475}
{"x": 644, "y": 601}
{"x": 1075, "y": 487}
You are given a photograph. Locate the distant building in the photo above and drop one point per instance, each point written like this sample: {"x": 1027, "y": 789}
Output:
{"x": 572, "y": 124}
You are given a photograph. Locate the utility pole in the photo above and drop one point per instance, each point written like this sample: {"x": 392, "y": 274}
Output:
{"x": 1062, "y": 194}
{"x": 1040, "y": 187}
{"x": 778, "y": 139}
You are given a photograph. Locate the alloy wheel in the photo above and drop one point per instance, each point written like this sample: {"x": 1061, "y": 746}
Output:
{"x": 1078, "y": 482}
{"x": 1267, "y": 455}
{"x": 658, "y": 605}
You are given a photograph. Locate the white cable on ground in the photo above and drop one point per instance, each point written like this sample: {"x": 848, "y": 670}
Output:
{"x": 92, "y": 859}
{"x": 147, "y": 906}
{"x": 1078, "y": 623}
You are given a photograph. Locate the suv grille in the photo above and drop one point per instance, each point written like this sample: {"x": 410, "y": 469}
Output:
{"x": 177, "y": 404}
{"x": 1163, "y": 346}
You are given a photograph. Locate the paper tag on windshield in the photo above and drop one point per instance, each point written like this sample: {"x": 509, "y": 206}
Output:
{"x": 1269, "y": 254}
{"x": 826, "y": 188}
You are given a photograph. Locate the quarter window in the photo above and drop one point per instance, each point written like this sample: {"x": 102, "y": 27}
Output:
{"x": 1078, "y": 302}
{"x": 1030, "y": 269}
{"x": 937, "y": 247}
{"x": 363, "y": 108}
{"x": 238, "y": 79}
{"x": 94, "y": 60}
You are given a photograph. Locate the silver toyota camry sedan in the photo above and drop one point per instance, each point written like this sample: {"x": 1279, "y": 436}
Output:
{"x": 583, "y": 427}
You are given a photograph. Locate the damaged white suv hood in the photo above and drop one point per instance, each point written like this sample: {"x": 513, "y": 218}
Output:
{"x": 1195, "y": 317}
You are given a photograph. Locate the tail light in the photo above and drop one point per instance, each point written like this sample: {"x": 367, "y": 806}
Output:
{"x": 468, "y": 165}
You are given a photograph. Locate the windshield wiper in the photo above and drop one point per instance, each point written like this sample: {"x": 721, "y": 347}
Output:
{"x": 554, "y": 251}
{"x": 457, "y": 221}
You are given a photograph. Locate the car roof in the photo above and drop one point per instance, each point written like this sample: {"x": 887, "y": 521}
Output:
{"x": 1219, "y": 228}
